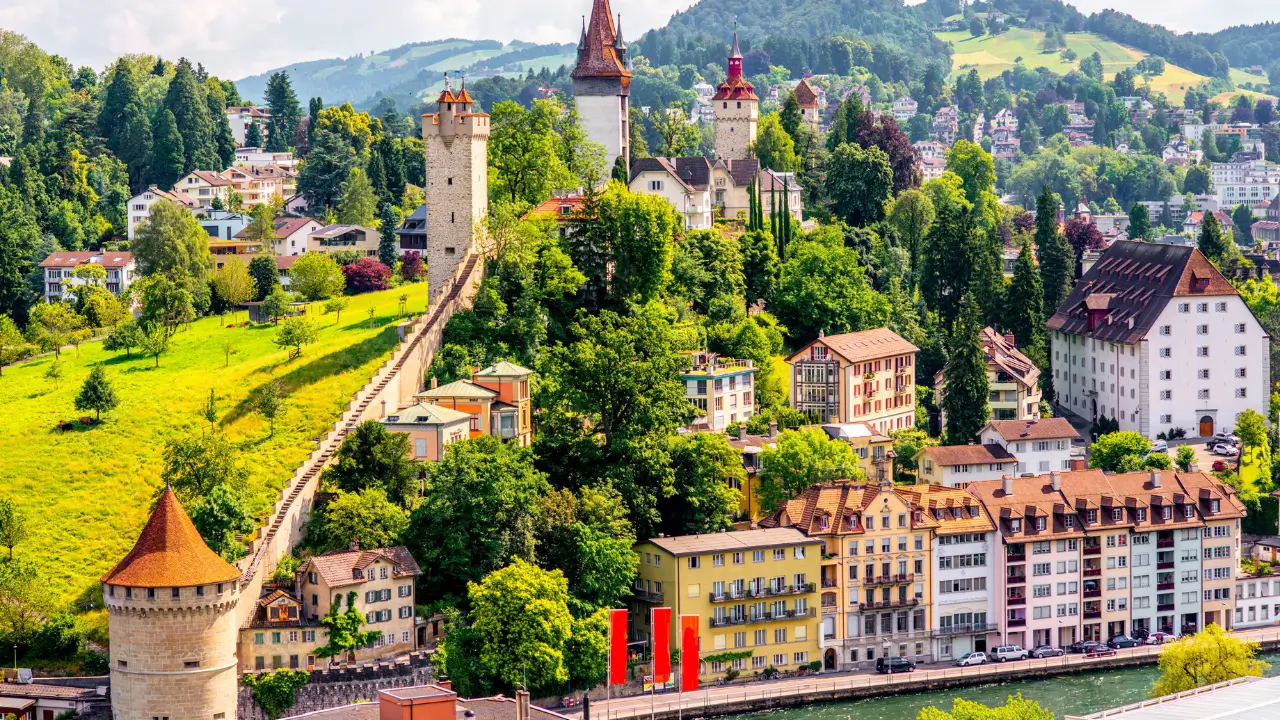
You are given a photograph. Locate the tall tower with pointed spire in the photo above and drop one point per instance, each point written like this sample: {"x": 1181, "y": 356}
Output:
{"x": 457, "y": 149}
{"x": 171, "y": 611}
{"x": 602, "y": 84}
{"x": 737, "y": 110}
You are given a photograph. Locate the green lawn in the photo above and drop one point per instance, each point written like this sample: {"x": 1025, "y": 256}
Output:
{"x": 87, "y": 492}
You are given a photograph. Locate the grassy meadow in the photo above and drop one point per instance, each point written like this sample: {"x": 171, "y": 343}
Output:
{"x": 87, "y": 491}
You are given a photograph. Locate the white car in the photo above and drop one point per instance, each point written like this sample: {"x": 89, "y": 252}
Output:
{"x": 1225, "y": 450}
{"x": 972, "y": 658}
{"x": 1160, "y": 446}
{"x": 1009, "y": 652}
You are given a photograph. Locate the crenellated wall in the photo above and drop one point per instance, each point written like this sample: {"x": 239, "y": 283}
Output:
{"x": 331, "y": 688}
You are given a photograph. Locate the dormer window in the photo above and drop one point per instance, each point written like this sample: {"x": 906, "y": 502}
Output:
{"x": 1069, "y": 521}
{"x": 1117, "y": 514}
{"x": 357, "y": 574}
{"x": 1188, "y": 511}
{"x": 1040, "y": 523}
{"x": 1015, "y": 525}
{"x": 1166, "y": 512}
{"x": 1215, "y": 506}
{"x": 1091, "y": 516}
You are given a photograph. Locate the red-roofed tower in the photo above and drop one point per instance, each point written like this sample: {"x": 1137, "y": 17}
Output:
{"x": 602, "y": 84}
{"x": 737, "y": 110}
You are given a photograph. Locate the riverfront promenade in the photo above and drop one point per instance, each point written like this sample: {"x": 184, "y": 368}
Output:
{"x": 787, "y": 692}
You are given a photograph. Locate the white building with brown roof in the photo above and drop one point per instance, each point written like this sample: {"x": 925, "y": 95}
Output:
{"x": 292, "y": 235}
{"x": 1040, "y": 445}
{"x": 120, "y": 266}
{"x": 957, "y": 466}
{"x": 382, "y": 581}
{"x": 1013, "y": 380}
{"x": 139, "y": 206}
{"x": 1155, "y": 337}
{"x": 205, "y": 185}
{"x": 866, "y": 376}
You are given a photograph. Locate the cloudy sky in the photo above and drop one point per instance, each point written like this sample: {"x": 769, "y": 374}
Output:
{"x": 235, "y": 38}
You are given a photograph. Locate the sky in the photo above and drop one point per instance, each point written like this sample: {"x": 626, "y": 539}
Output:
{"x": 236, "y": 38}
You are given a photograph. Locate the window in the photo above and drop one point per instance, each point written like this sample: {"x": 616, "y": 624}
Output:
{"x": 1241, "y": 392}
{"x": 655, "y": 186}
{"x": 1202, "y": 307}
{"x": 1166, "y": 394}
{"x": 1166, "y": 374}
{"x": 1240, "y": 350}
{"x": 1203, "y": 393}
{"x": 1202, "y": 351}
{"x": 1241, "y": 372}
{"x": 779, "y": 554}
{"x": 1184, "y": 307}
{"x": 717, "y": 560}
{"x": 1203, "y": 373}
{"x": 1117, "y": 514}
{"x": 1166, "y": 352}
{"x": 1220, "y": 307}
{"x": 1166, "y": 329}
{"x": 1240, "y": 328}
{"x": 693, "y": 562}
{"x": 757, "y": 556}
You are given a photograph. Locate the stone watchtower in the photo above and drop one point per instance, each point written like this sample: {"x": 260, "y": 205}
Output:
{"x": 737, "y": 110}
{"x": 171, "y": 607}
{"x": 457, "y": 147}
{"x": 602, "y": 85}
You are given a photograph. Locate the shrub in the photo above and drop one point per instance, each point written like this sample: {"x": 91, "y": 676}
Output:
{"x": 411, "y": 268}
{"x": 367, "y": 275}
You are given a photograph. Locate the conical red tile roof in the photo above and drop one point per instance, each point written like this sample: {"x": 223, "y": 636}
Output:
{"x": 599, "y": 55}
{"x": 170, "y": 553}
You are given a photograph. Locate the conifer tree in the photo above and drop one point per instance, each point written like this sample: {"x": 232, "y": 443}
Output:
{"x": 392, "y": 154}
{"x": 313, "y": 117}
{"x": 1212, "y": 242}
{"x": 286, "y": 113}
{"x": 388, "y": 241}
{"x": 121, "y": 92}
{"x": 1057, "y": 259}
{"x": 97, "y": 394}
{"x": 359, "y": 204}
{"x": 790, "y": 116}
{"x": 253, "y": 136}
{"x": 133, "y": 145}
{"x": 965, "y": 404}
{"x": 191, "y": 115}
{"x": 1139, "y": 222}
{"x": 224, "y": 143}
{"x": 167, "y": 156}
{"x": 1024, "y": 306}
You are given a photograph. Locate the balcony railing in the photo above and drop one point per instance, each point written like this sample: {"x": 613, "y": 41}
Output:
{"x": 1164, "y": 565}
{"x": 648, "y": 596}
{"x": 1016, "y": 600}
{"x": 1017, "y": 622}
{"x": 1092, "y": 593}
{"x": 830, "y": 582}
{"x": 1164, "y": 586}
{"x": 1093, "y": 615}
{"x": 1164, "y": 543}
{"x": 769, "y": 591}
{"x": 1165, "y": 608}
{"x": 1093, "y": 572}
{"x": 890, "y": 579}
{"x": 762, "y": 617}
{"x": 1015, "y": 557}
{"x": 1097, "y": 550}
{"x": 888, "y": 604}
{"x": 967, "y": 629}
{"x": 830, "y": 609}
{"x": 1016, "y": 580}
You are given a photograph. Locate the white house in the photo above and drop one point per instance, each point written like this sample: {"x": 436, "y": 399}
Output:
{"x": 956, "y": 466}
{"x": 120, "y": 266}
{"x": 684, "y": 182}
{"x": 904, "y": 108}
{"x": 257, "y": 157}
{"x": 1155, "y": 337}
{"x": 1040, "y": 445}
{"x": 292, "y": 235}
{"x": 205, "y": 185}
{"x": 140, "y": 205}
{"x": 1257, "y": 601}
{"x": 239, "y": 117}
{"x": 222, "y": 224}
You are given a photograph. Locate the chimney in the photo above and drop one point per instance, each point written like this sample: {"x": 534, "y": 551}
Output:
{"x": 1055, "y": 480}
{"x": 444, "y": 682}
{"x": 1006, "y": 484}
{"x": 435, "y": 382}
{"x": 522, "y": 704}
{"x": 1155, "y": 478}
{"x": 353, "y": 546}
{"x": 1008, "y": 338}
{"x": 1077, "y": 464}
{"x": 742, "y": 432}
{"x": 773, "y": 429}
{"x": 821, "y": 334}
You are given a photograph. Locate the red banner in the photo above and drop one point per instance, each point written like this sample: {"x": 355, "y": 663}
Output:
{"x": 689, "y": 652}
{"x": 661, "y": 645}
{"x": 617, "y": 647}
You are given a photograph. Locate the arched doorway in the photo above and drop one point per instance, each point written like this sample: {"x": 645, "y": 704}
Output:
{"x": 829, "y": 659}
{"x": 1206, "y": 426}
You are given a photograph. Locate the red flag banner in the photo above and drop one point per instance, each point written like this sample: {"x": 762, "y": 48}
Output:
{"x": 617, "y": 647}
{"x": 661, "y": 645}
{"x": 689, "y": 652}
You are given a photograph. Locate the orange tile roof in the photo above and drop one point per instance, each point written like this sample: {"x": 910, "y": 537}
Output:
{"x": 947, "y": 455}
{"x": 863, "y": 345}
{"x": 948, "y": 510}
{"x": 170, "y": 553}
{"x": 805, "y": 95}
{"x": 1038, "y": 429}
{"x": 337, "y": 568}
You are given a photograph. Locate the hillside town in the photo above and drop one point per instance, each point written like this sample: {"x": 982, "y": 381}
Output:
{"x": 805, "y": 372}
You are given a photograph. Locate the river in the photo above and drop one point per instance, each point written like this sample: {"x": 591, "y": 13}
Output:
{"x": 1078, "y": 694}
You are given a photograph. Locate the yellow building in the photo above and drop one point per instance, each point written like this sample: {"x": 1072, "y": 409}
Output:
{"x": 755, "y": 592}
{"x": 382, "y": 581}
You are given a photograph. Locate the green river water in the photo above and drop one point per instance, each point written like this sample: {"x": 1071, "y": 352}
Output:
{"x": 1078, "y": 694}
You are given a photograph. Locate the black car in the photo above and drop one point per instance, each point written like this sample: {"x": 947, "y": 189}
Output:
{"x": 894, "y": 665}
{"x": 1123, "y": 641}
{"x": 1084, "y": 646}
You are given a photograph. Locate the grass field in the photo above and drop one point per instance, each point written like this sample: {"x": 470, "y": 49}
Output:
{"x": 87, "y": 492}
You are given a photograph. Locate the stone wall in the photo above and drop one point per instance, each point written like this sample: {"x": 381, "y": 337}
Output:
{"x": 336, "y": 687}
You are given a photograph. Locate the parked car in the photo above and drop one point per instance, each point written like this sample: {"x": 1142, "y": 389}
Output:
{"x": 894, "y": 665}
{"x": 1225, "y": 450}
{"x": 1084, "y": 646}
{"x": 1100, "y": 651}
{"x": 1221, "y": 436}
{"x": 1160, "y": 638}
{"x": 1122, "y": 641}
{"x": 1219, "y": 466}
{"x": 1045, "y": 651}
{"x": 1009, "y": 652}
{"x": 1160, "y": 446}
{"x": 972, "y": 658}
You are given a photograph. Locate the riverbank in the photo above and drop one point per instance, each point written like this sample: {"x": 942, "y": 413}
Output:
{"x": 828, "y": 689}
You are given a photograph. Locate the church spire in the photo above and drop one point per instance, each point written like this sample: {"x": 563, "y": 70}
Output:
{"x": 582, "y": 41}
{"x": 735, "y": 53}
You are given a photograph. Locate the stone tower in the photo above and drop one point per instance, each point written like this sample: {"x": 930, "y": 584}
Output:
{"x": 457, "y": 147}
{"x": 602, "y": 85}
{"x": 737, "y": 110}
{"x": 171, "y": 608}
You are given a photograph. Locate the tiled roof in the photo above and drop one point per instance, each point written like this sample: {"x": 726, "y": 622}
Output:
{"x": 693, "y": 173}
{"x": 805, "y": 95}
{"x": 825, "y": 509}
{"x": 170, "y": 553}
{"x": 504, "y": 369}
{"x": 37, "y": 690}
{"x": 1132, "y": 282}
{"x": 111, "y": 259}
{"x": 598, "y": 57}
{"x": 459, "y": 389}
{"x": 947, "y": 455}
{"x": 425, "y": 414}
{"x": 337, "y": 568}
{"x": 211, "y": 177}
{"x": 948, "y": 510}
{"x": 864, "y": 345}
{"x": 1032, "y": 497}
{"x": 724, "y": 541}
{"x": 555, "y": 207}
{"x": 735, "y": 88}
{"x": 1038, "y": 429}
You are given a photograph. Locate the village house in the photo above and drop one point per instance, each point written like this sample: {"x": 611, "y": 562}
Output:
{"x": 866, "y": 376}
{"x": 239, "y": 117}
{"x": 1013, "y": 380}
{"x": 956, "y": 466}
{"x": 431, "y": 428}
{"x": 496, "y": 399}
{"x": 378, "y": 582}
{"x": 120, "y": 267}
{"x": 722, "y": 390}
{"x": 946, "y": 125}
{"x": 140, "y": 205}
{"x": 1038, "y": 444}
{"x": 904, "y": 108}
{"x": 292, "y": 235}
{"x": 329, "y": 238}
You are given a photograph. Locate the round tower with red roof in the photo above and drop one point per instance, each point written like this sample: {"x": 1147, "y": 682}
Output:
{"x": 737, "y": 110}
{"x": 171, "y": 607}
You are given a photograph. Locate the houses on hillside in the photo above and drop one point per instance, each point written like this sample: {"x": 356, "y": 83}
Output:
{"x": 866, "y": 376}
{"x": 1012, "y": 378}
{"x": 702, "y": 190}
{"x": 120, "y": 268}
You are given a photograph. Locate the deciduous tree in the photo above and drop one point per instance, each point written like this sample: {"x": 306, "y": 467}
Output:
{"x": 1139, "y": 222}
{"x": 317, "y": 276}
{"x": 268, "y": 400}
{"x": 233, "y": 283}
{"x": 296, "y": 332}
{"x": 219, "y": 515}
{"x": 1210, "y": 656}
{"x": 859, "y": 182}
{"x": 366, "y": 517}
{"x": 911, "y": 216}
{"x": 1015, "y": 708}
{"x": 196, "y": 464}
{"x": 823, "y": 286}
{"x": 13, "y": 525}
{"x": 274, "y": 691}
{"x": 706, "y": 469}
{"x": 370, "y": 456}
{"x": 800, "y": 459}
{"x": 521, "y": 615}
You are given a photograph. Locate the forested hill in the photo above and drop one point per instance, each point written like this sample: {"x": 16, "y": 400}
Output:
{"x": 1247, "y": 45}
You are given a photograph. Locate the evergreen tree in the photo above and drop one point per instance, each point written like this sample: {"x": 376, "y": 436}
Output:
{"x": 328, "y": 165}
{"x": 377, "y": 175}
{"x": 265, "y": 276}
{"x": 1024, "y": 313}
{"x": 97, "y": 394}
{"x": 620, "y": 171}
{"x": 388, "y": 241}
{"x": 133, "y": 145}
{"x": 1242, "y": 218}
{"x": 191, "y": 115}
{"x": 1057, "y": 259}
{"x": 1139, "y": 222}
{"x": 965, "y": 404}
{"x": 359, "y": 204}
{"x": 391, "y": 152}
{"x": 224, "y": 142}
{"x": 19, "y": 240}
{"x": 286, "y": 113}
{"x": 1213, "y": 243}
{"x": 314, "y": 106}
{"x": 122, "y": 92}
{"x": 759, "y": 264}
{"x": 951, "y": 250}
{"x": 253, "y": 136}
{"x": 790, "y": 116}
{"x": 167, "y": 156}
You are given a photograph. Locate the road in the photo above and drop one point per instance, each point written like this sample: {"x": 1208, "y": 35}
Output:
{"x": 706, "y": 700}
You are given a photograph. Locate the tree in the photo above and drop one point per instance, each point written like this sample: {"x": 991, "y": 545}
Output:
{"x": 274, "y": 691}
{"x": 266, "y": 277}
{"x": 366, "y": 517}
{"x": 1212, "y": 242}
{"x": 759, "y": 264}
{"x": 623, "y": 243}
{"x": 975, "y": 169}
{"x": 345, "y": 635}
{"x": 774, "y": 146}
{"x": 253, "y": 135}
{"x": 317, "y": 276}
{"x": 707, "y": 265}
{"x": 269, "y": 402}
{"x": 1242, "y": 218}
{"x": 1185, "y": 458}
{"x": 1025, "y": 314}
{"x": 911, "y": 216}
{"x": 370, "y": 456}
{"x": 296, "y": 332}
{"x": 51, "y": 326}
{"x": 1109, "y": 451}
{"x": 799, "y": 459}
{"x": 172, "y": 242}
{"x": 965, "y": 407}
{"x": 388, "y": 241}
{"x": 1015, "y": 708}
{"x": 153, "y": 340}
{"x": 523, "y": 158}
{"x": 586, "y": 535}
{"x": 976, "y": 28}
{"x": 276, "y": 304}
{"x": 952, "y": 249}
{"x": 285, "y": 112}
{"x": 134, "y": 144}
{"x": 1251, "y": 428}
{"x": 224, "y": 143}
{"x": 1197, "y": 181}
{"x": 859, "y": 182}
{"x": 706, "y": 468}
{"x": 326, "y": 170}
{"x": 194, "y": 465}
{"x": 336, "y": 305}
{"x": 790, "y": 116}
{"x": 823, "y": 286}
{"x": 210, "y": 411}
{"x": 97, "y": 394}
{"x": 219, "y": 516}
{"x": 1083, "y": 235}
{"x": 233, "y": 283}
{"x": 13, "y": 525}
{"x": 678, "y": 137}
{"x": 359, "y": 203}
{"x": 411, "y": 268}
{"x": 521, "y": 615}
{"x": 19, "y": 243}
{"x": 1057, "y": 264}
{"x": 12, "y": 345}
{"x": 262, "y": 225}
{"x": 1139, "y": 222}
{"x": 367, "y": 275}
{"x": 1208, "y": 657}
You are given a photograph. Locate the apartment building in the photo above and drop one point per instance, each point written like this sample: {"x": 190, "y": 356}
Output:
{"x": 1104, "y": 553}
{"x": 291, "y": 235}
{"x": 329, "y": 238}
{"x": 1013, "y": 380}
{"x": 874, "y": 450}
{"x": 866, "y": 376}
{"x": 140, "y": 205}
{"x": 1257, "y": 601}
{"x": 383, "y": 582}
{"x": 1038, "y": 445}
{"x": 121, "y": 271}
{"x": 204, "y": 186}
{"x": 1155, "y": 337}
{"x": 497, "y": 399}
{"x": 956, "y": 466}
{"x": 279, "y": 634}
{"x": 752, "y": 590}
{"x": 722, "y": 390}
{"x": 875, "y": 574}
{"x": 962, "y": 614}
{"x": 904, "y": 108}
{"x": 1245, "y": 182}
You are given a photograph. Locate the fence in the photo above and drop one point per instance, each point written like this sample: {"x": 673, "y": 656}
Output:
{"x": 753, "y": 696}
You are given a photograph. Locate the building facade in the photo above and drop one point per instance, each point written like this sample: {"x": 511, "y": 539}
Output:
{"x": 866, "y": 376}
{"x": 378, "y": 582}
{"x": 723, "y": 390}
{"x": 737, "y": 110}
{"x": 602, "y": 85}
{"x": 1038, "y": 445}
{"x": 1013, "y": 380}
{"x": 121, "y": 271}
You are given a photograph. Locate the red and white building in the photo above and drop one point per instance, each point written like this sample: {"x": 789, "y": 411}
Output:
{"x": 120, "y": 266}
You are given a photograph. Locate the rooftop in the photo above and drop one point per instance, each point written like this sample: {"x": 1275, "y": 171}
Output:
{"x": 863, "y": 345}
{"x": 338, "y": 568}
{"x": 170, "y": 553}
{"x": 947, "y": 455}
{"x": 729, "y": 541}
{"x": 459, "y": 389}
{"x": 425, "y": 414}
{"x": 105, "y": 258}
{"x": 1248, "y": 698}
{"x": 1039, "y": 429}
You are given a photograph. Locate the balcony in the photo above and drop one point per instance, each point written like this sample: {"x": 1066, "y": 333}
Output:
{"x": 1092, "y": 593}
{"x": 1016, "y": 580}
{"x": 1017, "y": 622}
{"x": 1165, "y": 608}
{"x": 746, "y": 619}
{"x": 1097, "y": 550}
{"x": 830, "y": 582}
{"x": 1015, "y": 557}
{"x": 1093, "y": 615}
{"x": 1164, "y": 586}
{"x": 890, "y": 604}
{"x": 1021, "y": 600}
{"x": 1092, "y": 572}
{"x": 769, "y": 591}
{"x": 969, "y": 629}
{"x": 1164, "y": 565}
{"x": 890, "y": 580}
{"x": 1164, "y": 543}
{"x": 830, "y": 609}
{"x": 649, "y": 596}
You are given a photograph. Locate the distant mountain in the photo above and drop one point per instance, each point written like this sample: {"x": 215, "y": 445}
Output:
{"x": 410, "y": 72}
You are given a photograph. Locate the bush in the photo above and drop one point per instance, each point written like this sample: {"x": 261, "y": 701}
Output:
{"x": 367, "y": 275}
{"x": 57, "y": 639}
{"x": 411, "y": 268}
